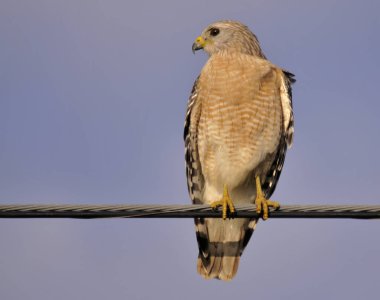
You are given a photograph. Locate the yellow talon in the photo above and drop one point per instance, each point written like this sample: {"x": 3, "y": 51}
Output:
{"x": 225, "y": 202}
{"x": 263, "y": 204}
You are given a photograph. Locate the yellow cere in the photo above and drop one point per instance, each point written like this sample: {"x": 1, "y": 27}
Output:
{"x": 199, "y": 40}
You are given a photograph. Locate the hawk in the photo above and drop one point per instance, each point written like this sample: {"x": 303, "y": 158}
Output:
{"x": 239, "y": 124}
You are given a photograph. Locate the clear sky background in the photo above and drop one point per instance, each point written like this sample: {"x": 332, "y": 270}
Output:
{"x": 92, "y": 103}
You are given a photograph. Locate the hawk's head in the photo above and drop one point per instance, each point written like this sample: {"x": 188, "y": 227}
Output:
{"x": 228, "y": 36}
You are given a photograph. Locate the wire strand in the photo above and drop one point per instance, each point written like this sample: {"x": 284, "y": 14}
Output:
{"x": 184, "y": 211}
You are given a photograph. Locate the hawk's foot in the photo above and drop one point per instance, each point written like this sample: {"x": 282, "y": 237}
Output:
{"x": 263, "y": 204}
{"x": 225, "y": 202}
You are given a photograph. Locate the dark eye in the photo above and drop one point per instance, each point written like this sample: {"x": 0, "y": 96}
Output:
{"x": 214, "y": 31}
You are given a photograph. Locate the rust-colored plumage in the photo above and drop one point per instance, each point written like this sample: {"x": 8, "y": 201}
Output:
{"x": 239, "y": 124}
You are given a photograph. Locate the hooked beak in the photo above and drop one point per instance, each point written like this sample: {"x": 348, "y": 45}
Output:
{"x": 198, "y": 44}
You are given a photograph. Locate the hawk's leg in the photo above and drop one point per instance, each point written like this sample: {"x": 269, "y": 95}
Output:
{"x": 225, "y": 202}
{"x": 263, "y": 204}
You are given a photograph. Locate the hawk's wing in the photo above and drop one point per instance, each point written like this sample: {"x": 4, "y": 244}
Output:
{"x": 271, "y": 178}
{"x": 195, "y": 180}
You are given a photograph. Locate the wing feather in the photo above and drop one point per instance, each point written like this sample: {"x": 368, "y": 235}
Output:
{"x": 286, "y": 140}
{"x": 287, "y": 105}
{"x": 195, "y": 179}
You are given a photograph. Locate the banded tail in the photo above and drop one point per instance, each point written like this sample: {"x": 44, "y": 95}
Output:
{"x": 221, "y": 243}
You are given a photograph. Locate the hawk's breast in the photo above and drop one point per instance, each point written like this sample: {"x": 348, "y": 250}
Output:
{"x": 241, "y": 117}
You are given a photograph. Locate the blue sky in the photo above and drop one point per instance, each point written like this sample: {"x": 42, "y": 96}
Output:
{"x": 92, "y": 103}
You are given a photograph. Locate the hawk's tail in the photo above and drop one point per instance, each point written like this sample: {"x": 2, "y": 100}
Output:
{"x": 221, "y": 243}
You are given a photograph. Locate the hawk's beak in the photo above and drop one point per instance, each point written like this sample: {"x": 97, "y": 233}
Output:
{"x": 198, "y": 44}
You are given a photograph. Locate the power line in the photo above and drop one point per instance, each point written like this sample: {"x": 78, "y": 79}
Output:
{"x": 184, "y": 211}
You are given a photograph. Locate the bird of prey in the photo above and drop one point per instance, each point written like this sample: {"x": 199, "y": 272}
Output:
{"x": 239, "y": 124}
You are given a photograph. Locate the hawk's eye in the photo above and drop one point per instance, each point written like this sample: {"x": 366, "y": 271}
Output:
{"x": 214, "y": 31}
